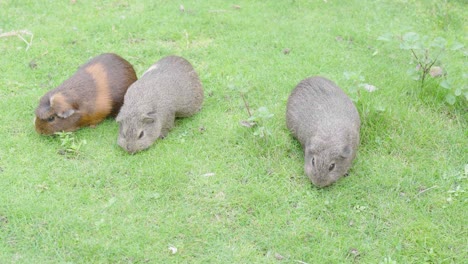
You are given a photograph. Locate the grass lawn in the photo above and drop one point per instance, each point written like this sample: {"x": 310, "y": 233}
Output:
{"x": 213, "y": 191}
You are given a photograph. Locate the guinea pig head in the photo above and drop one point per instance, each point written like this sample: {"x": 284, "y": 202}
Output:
{"x": 138, "y": 131}
{"x": 56, "y": 114}
{"x": 325, "y": 162}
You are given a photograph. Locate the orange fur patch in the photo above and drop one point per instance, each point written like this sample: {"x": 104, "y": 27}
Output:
{"x": 58, "y": 101}
{"x": 103, "y": 101}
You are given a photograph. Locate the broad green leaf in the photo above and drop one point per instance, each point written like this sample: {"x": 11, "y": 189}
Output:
{"x": 458, "y": 92}
{"x": 457, "y": 46}
{"x": 404, "y": 46}
{"x": 411, "y": 40}
{"x": 419, "y": 45}
{"x": 446, "y": 84}
{"x": 413, "y": 73}
{"x": 386, "y": 37}
{"x": 263, "y": 113}
{"x": 411, "y": 37}
{"x": 450, "y": 99}
{"x": 439, "y": 42}
{"x": 409, "y": 46}
{"x": 412, "y": 45}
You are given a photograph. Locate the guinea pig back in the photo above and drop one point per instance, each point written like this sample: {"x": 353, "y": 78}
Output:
{"x": 94, "y": 92}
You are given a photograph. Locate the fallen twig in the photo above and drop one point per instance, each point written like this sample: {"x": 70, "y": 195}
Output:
{"x": 19, "y": 34}
{"x": 425, "y": 190}
{"x": 246, "y": 104}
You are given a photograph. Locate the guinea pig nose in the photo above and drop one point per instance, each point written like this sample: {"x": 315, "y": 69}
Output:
{"x": 129, "y": 150}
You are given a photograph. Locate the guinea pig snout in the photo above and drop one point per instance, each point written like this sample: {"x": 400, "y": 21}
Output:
{"x": 320, "y": 181}
{"x": 126, "y": 146}
{"x": 130, "y": 150}
{"x": 41, "y": 128}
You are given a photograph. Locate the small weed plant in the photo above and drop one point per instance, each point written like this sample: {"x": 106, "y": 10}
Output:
{"x": 455, "y": 90}
{"x": 70, "y": 145}
{"x": 359, "y": 91}
{"x": 257, "y": 119}
{"x": 457, "y": 190}
{"x": 427, "y": 60}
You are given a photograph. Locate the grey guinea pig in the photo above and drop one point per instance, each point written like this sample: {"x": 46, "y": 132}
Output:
{"x": 95, "y": 91}
{"x": 170, "y": 88}
{"x": 326, "y": 123}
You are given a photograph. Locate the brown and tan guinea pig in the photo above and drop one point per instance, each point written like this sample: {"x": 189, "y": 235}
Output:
{"x": 93, "y": 93}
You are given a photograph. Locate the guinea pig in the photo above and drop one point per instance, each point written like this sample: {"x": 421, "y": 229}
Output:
{"x": 326, "y": 123}
{"x": 170, "y": 88}
{"x": 95, "y": 91}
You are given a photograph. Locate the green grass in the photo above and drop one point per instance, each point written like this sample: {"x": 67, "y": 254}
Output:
{"x": 221, "y": 194}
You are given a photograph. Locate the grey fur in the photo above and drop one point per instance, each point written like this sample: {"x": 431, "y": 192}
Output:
{"x": 326, "y": 122}
{"x": 168, "y": 89}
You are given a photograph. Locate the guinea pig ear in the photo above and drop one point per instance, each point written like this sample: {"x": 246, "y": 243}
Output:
{"x": 149, "y": 117}
{"x": 346, "y": 152}
{"x": 66, "y": 113}
{"x": 60, "y": 106}
{"x": 43, "y": 112}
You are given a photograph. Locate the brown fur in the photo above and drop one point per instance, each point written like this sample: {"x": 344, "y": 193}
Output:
{"x": 59, "y": 103}
{"x": 94, "y": 92}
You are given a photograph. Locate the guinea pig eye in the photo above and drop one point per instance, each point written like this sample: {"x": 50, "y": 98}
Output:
{"x": 141, "y": 135}
{"x": 51, "y": 118}
{"x": 332, "y": 166}
{"x": 313, "y": 161}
